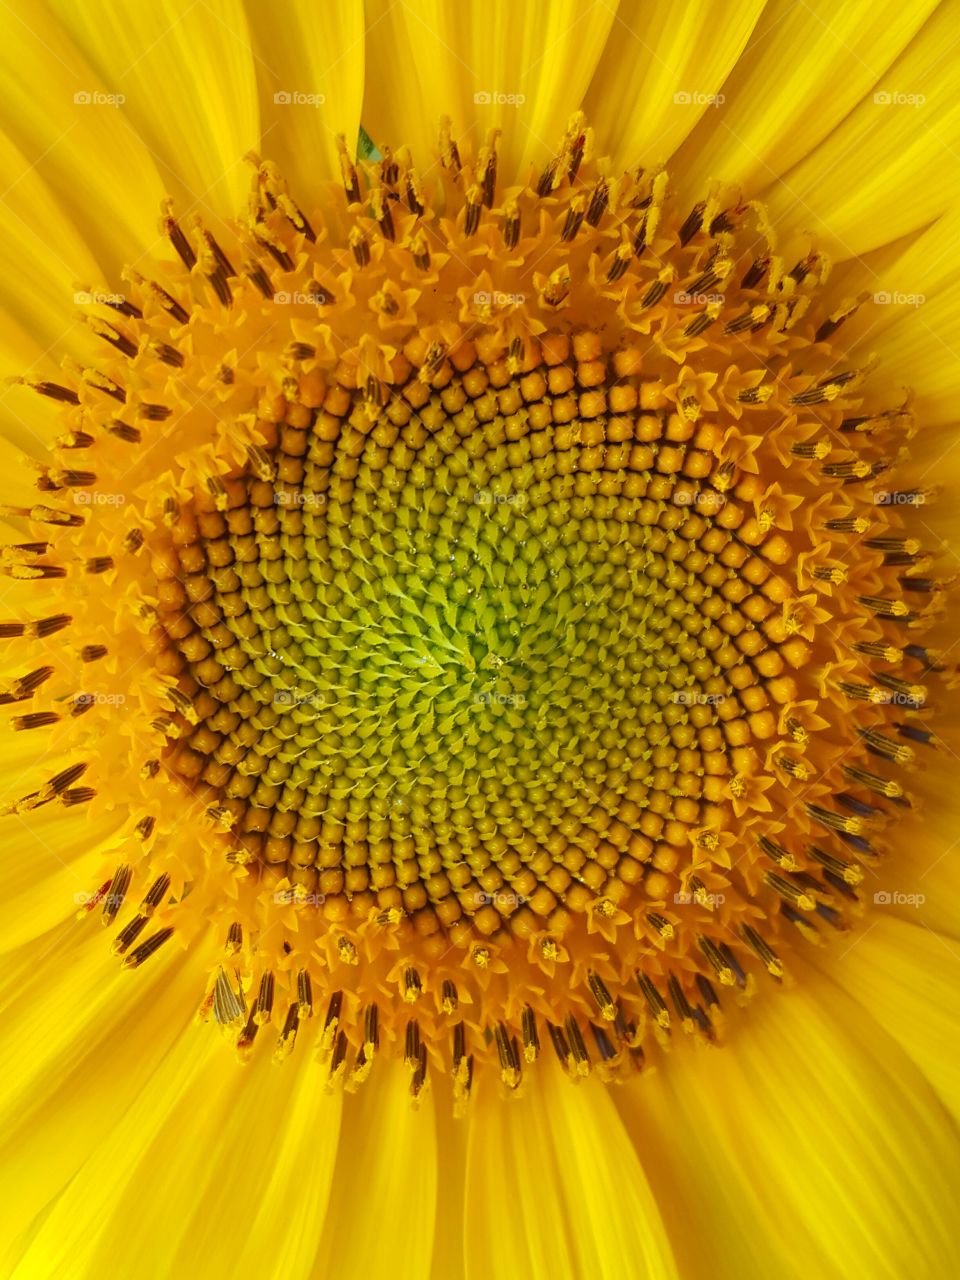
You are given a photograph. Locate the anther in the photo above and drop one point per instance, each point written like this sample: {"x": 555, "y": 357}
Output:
{"x": 507, "y": 1054}
{"x": 128, "y": 935}
{"x": 348, "y": 172}
{"x": 599, "y": 199}
{"x": 228, "y": 1008}
{"x": 39, "y": 630}
{"x": 305, "y": 994}
{"x": 529, "y": 1034}
{"x": 155, "y": 895}
{"x": 560, "y": 1046}
{"x": 655, "y": 1001}
{"x": 601, "y": 995}
{"x": 578, "y": 1049}
{"x": 510, "y": 224}
{"x": 360, "y": 246}
{"x": 147, "y": 949}
{"x": 473, "y": 204}
{"x": 264, "y": 1006}
{"x": 718, "y": 963}
{"x": 175, "y": 235}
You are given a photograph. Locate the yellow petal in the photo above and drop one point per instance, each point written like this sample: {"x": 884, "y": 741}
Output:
{"x": 183, "y": 1094}
{"x": 510, "y": 1162}
{"x": 223, "y": 1155}
{"x": 83, "y": 147}
{"x": 808, "y": 1145}
{"x": 449, "y": 1259}
{"x": 899, "y": 279}
{"x": 802, "y": 71}
{"x": 187, "y": 78}
{"x": 522, "y": 68}
{"x": 38, "y": 892}
{"x": 919, "y": 349}
{"x": 389, "y": 1163}
{"x": 83, "y": 1038}
{"x": 44, "y": 262}
{"x": 908, "y": 977}
{"x": 661, "y": 71}
{"x": 270, "y": 1164}
{"x": 580, "y": 1203}
{"x": 309, "y": 61}
{"x": 920, "y": 881}
{"x": 891, "y": 166}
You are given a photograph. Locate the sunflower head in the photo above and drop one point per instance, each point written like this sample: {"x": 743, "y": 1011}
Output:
{"x": 456, "y": 585}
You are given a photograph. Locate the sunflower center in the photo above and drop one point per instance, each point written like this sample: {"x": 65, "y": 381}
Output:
{"x": 476, "y": 666}
{"x": 493, "y": 577}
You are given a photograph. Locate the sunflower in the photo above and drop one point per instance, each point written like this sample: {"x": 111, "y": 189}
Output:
{"x": 476, "y": 753}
